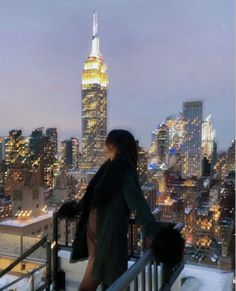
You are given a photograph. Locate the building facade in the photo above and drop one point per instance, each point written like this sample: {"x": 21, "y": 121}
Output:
{"x": 160, "y": 142}
{"x": 16, "y": 147}
{"x": 142, "y": 167}
{"x": 42, "y": 156}
{"x": 208, "y": 136}
{"x": 192, "y": 114}
{"x": 2, "y": 146}
{"x": 70, "y": 152}
{"x": 52, "y": 135}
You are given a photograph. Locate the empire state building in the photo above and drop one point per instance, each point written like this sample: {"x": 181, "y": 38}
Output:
{"x": 94, "y": 105}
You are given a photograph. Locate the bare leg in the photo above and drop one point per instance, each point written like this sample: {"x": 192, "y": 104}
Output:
{"x": 88, "y": 283}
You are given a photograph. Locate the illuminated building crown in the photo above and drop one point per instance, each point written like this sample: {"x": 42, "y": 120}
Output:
{"x": 95, "y": 68}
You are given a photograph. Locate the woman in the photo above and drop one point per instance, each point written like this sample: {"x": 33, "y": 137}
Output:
{"x": 112, "y": 193}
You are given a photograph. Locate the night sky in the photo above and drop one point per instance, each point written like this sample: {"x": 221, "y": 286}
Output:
{"x": 159, "y": 53}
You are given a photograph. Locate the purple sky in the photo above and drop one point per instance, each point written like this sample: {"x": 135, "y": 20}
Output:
{"x": 159, "y": 53}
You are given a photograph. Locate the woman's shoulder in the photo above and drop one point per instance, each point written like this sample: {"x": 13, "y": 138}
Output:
{"x": 131, "y": 174}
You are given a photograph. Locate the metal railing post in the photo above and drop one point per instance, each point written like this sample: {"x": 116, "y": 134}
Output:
{"x": 136, "y": 284}
{"x": 149, "y": 276}
{"x": 155, "y": 275}
{"x": 32, "y": 282}
{"x": 54, "y": 251}
{"x": 131, "y": 239}
{"x": 143, "y": 280}
{"x": 66, "y": 228}
{"x": 48, "y": 266}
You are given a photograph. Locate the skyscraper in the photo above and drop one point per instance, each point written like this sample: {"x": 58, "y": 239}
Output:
{"x": 208, "y": 137}
{"x": 230, "y": 162}
{"x": 142, "y": 164}
{"x": 42, "y": 155}
{"x": 192, "y": 114}
{"x": 2, "y": 146}
{"x": 176, "y": 128}
{"x": 160, "y": 141}
{"x": 70, "y": 152}
{"x": 94, "y": 105}
{"x": 52, "y": 134}
{"x": 16, "y": 147}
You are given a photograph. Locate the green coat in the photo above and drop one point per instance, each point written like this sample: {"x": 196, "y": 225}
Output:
{"x": 112, "y": 227}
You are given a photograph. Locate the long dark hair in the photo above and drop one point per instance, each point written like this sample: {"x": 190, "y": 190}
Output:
{"x": 110, "y": 176}
{"x": 125, "y": 144}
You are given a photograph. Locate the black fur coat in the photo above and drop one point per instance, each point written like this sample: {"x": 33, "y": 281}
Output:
{"x": 115, "y": 191}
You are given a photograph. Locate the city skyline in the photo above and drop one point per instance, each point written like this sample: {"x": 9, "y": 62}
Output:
{"x": 180, "y": 53}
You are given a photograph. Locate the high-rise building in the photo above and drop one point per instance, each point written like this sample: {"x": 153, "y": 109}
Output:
{"x": 5, "y": 208}
{"x": 209, "y": 146}
{"x": 94, "y": 105}
{"x": 70, "y": 152}
{"x": 149, "y": 192}
{"x": 161, "y": 141}
{"x": 231, "y": 157}
{"x": 208, "y": 136}
{"x": 142, "y": 164}
{"x": 2, "y": 146}
{"x": 176, "y": 128}
{"x": 36, "y": 143}
{"x": 42, "y": 155}
{"x": 18, "y": 161}
{"x": 16, "y": 147}
{"x": 52, "y": 134}
{"x": 176, "y": 135}
{"x": 192, "y": 114}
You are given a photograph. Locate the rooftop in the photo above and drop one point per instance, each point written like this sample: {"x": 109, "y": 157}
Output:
{"x": 22, "y": 223}
{"x": 204, "y": 278}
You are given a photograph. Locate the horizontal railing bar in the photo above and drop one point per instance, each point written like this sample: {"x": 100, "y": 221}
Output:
{"x": 25, "y": 255}
{"x": 22, "y": 277}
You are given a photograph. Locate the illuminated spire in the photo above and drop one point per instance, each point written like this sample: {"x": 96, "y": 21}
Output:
{"x": 95, "y": 51}
{"x": 95, "y": 24}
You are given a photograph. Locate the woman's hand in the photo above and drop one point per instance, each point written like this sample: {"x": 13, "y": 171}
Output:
{"x": 168, "y": 246}
{"x": 67, "y": 209}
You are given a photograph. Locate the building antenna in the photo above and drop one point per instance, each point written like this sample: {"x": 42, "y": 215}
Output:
{"x": 95, "y": 24}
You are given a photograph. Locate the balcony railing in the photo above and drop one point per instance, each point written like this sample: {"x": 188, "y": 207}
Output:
{"x": 46, "y": 281}
{"x": 144, "y": 274}
{"x": 135, "y": 277}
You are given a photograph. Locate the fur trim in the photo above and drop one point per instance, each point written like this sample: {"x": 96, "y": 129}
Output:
{"x": 168, "y": 246}
{"x": 110, "y": 182}
{"x": 107, "y": 181}
{"x": 67, "y": 209}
